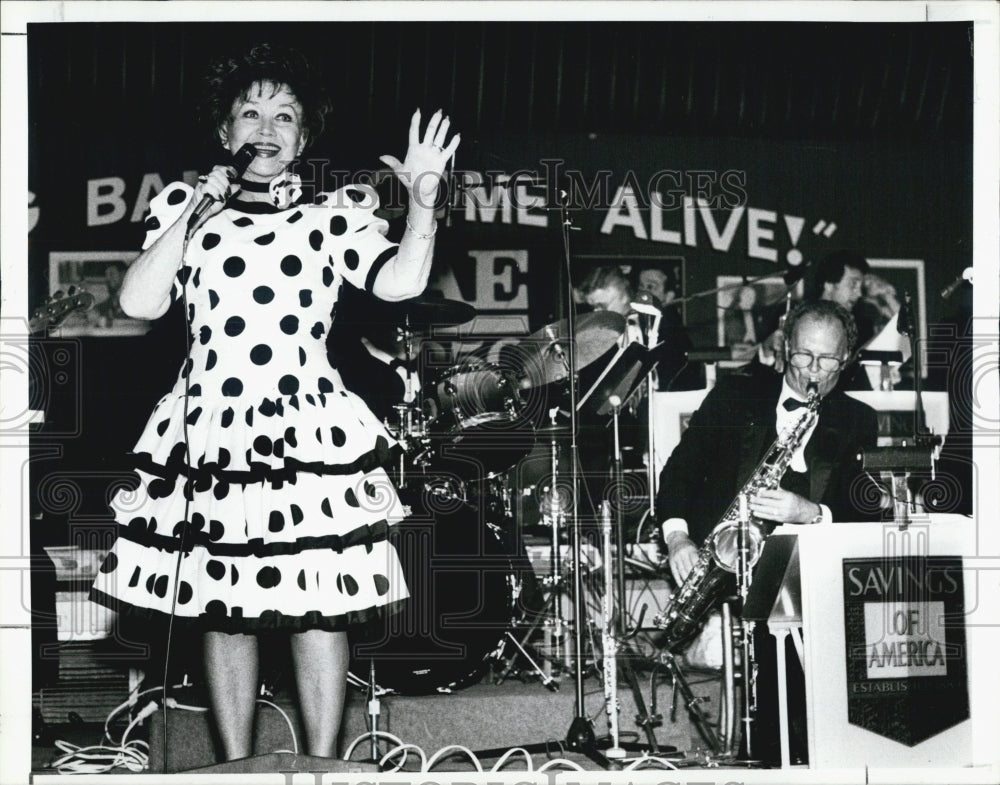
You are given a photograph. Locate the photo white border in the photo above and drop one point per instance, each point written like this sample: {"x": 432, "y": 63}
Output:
{"x": 15, "y": 689}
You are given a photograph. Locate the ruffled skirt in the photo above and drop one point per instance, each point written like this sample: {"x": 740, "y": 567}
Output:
{"x": 270, "y": 514}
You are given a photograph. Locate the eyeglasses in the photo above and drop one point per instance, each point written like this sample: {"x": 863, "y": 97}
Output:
{"x": 826, "y": 362}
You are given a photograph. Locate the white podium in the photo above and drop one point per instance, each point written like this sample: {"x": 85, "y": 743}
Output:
{"x": 841, "y": 564}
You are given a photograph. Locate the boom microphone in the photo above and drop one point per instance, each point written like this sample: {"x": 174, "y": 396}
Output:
{"x": 241, "y": 160}
{"x": 950, "y": 289}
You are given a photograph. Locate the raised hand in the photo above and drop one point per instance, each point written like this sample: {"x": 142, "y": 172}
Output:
{"x": 422, "y": 169}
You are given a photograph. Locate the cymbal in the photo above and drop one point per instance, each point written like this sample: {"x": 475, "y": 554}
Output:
{"x": 428, "y": 312}
{"x": 546, "y": 351}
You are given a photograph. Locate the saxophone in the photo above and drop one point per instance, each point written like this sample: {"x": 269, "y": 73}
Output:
{"x": 684, "y": 614}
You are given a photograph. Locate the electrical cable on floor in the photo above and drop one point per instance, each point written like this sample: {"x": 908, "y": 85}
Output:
{"x": 288, "y": 722}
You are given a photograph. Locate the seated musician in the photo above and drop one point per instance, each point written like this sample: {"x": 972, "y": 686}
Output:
{"x": 740, "y": 419}
{"x": 839, "y": 277}
{"x": 606, "y": 288}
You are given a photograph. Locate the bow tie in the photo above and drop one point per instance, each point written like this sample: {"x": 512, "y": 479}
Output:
{"x": 791, "y": 404}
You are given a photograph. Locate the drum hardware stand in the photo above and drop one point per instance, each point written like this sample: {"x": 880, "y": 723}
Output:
{"x": 553, "y": 603}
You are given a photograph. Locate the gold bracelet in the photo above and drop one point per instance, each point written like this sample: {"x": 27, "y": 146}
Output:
{"x": 420, "y": 235}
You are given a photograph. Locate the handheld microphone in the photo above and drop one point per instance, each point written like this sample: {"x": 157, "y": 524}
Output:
{"x": 241, "y": 160}
{"x": 646, "y": 303}
{"x": 951, "y": 288}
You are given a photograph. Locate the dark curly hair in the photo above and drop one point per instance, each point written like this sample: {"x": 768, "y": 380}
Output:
{"x": 823, "y": 309}
{"x": 231, "y": 78}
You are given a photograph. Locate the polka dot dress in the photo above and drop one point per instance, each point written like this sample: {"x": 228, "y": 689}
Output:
{"x": 258, "y": 446}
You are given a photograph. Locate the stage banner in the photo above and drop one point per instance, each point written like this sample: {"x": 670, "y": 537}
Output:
{"x": 906, "y": 655}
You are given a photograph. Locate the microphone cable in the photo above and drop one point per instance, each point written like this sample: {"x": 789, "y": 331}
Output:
{"x": 186, "y": 370}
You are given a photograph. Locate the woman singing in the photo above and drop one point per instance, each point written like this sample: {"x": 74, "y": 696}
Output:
{"x": 261, "y": 504}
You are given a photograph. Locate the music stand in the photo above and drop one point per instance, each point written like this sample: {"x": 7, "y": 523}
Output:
{"x": 626, "y": 371}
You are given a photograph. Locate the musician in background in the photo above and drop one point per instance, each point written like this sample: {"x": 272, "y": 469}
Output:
{"x": 606, "y": 288}
{"x": 733, "y": 430}
{"x": 839, "y": 279}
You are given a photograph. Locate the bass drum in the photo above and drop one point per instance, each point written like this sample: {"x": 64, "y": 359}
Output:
{"x": 464, "y": 595}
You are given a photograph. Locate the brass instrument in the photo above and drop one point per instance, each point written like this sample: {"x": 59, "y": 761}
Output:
{"x": 720, "y": 554}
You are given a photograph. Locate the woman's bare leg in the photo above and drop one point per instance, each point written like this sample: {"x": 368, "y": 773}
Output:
{"x": 321, "y": 660}
{"x": 231, "y": 665}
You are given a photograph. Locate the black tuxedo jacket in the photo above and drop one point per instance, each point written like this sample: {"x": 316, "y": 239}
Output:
{"x": 731, "y": 432}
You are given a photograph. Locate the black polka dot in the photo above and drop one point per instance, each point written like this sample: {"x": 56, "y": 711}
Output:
{"x": 161, "y": 428}
{"x": 227, "y": 417}
{"x": 327, "y": 276}
{"x": 262, "y": 444}
{"x": 317, "y": 330}
{"x": 350, "y": 585}
{"x": 267, "y": 407}
{"x": 221, "y": 490}
{"x": 160, "y": 586}
{"x": 338, "y": 436}
{"x": 290, "y": 437}
{"x": 242, "y": 221}
{"x": 381, "y": 584}
{"x": 316, "y": 239}
{"x": 305, "y": 297}
{"x": 234, "y": 266}
{"x": 213, "y": 299}
{"x": 210, "y": 240}
{"x": 296, "y": 515}
{"x": 184, "y": 593}
{"x": 198, "y": 521}
{"x": 263, "y": 294}
{"x": 176, "y": 196}
{"x": 268, "y": 577}
{"x": 289, "y": 325}
{"x": 234, "y": 574}
{"x": 160, "y": 488}
{"x": 350, "y": 498}
{"x": 326, "y": 508}
{"x": 149, "y": 582}
{"x": 137, "y": 525}
{"x": 197, "y": 278}
{"x": 288, "y": 384}
{"x": 325, "y": 385}
{"x": 183, "y": 275}
{"x": 190, "y": 313}
{"x": 110, "y": 564}
{"x": 210, "y": 360}
{"x": 295, "y": 216}
{"x": 301, "y": 580}
{"x": 351, "y": 259}
{"x": 338, "y": 225}
{"x": 193, "y": 416}
{"x": 355, "y": 195}
{"x": 216, "y": 569}
{"x": 234, "y": 326}
{"x": 134, "y": 580}
{"x": 152, "y": 223}
{"x": 215, "y": 530}
{"x": 249, "y": 419}
{"x": 205, "y": 334}
{"x": 291, "y": 265}
{"x": 215, "y": 608}
{"x": 264, "y": 239}
{"x": 260, "y": 354}
{"x": 279, "y": 448}
{"x": 232, "y": 387}
{"x": 302, "y": 357}
{"x": 371, "y": 490}
{"x": 276, "y": 522}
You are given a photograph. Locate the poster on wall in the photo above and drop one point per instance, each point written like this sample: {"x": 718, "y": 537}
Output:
{"x": 99, "y": 273}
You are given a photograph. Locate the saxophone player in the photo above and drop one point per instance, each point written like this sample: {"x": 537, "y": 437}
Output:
{"x": 741, "y": 417}
{"x": 736, "y": 426}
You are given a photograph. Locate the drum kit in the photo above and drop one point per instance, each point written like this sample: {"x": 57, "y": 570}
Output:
{"x": 477, "y": 602}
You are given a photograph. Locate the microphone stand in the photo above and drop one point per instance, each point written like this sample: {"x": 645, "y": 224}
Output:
{"x": 581, "y": 731}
